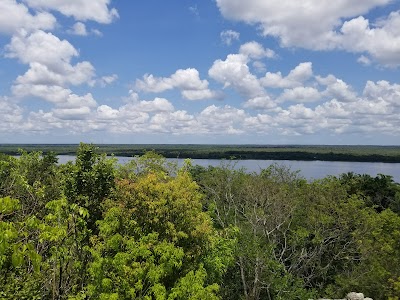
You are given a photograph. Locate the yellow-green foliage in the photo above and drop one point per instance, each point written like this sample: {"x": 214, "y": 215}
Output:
{"x": 155, "y": 240}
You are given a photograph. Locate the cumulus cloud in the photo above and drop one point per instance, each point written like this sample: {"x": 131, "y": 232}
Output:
{"x": 156, "y": 105}
{"x": 56, "y": 95}
{"x": 41, "y": 47}
{"x": 255, "y": 50}
{"x": 296, "y": 103}
{"x": 333, "y": 109}
{"x": 177, "y": 122}
{"x": 78, "y": 28}
{"x": 107, "y": 80}
{"x": 77, "y": 113}
{"x": 300, "y": 94}
{"x": 375, "y": 110}
{"x": 383, "y": 91}
{"x": 135, "y": 109}
{"x": 133, "y": 118}
{"x": 41, "y": 74}
{"x": 234, "y": 72}
{"x": 186, "y": 80}
{"x": 16, "y": 16}
{"x": 51, "y": 74}
{"x": 261, "y": 103}
{"x": 94, "y": 10}
{"x": 158, "y": 115}
{"x": 105, "y": 112}
{"x": 337, "y": 88}
{"x": 293, "y": 22}
{"x": 229, "y": 36}
{"x": 364, "y": 60}
{"x": 259, "y": 66}
{"x": 12, "y": 115}
{"x": 381, "y": 41}
{"x": 50, "y": 69}
{"x": 295, "y": 78}
{"x": 222, "y": 119}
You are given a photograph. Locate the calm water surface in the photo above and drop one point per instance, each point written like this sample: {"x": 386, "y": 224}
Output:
{"x": 308, "y": 169}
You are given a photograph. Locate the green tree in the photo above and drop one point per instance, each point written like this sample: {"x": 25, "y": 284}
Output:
{"x": 261, "y": 206}
{"x": 379, "y": 192}
{"x": 378, "y": 272}
{"x": 155, "y": 242}
{"x": 89, "y": 181}
{"x": 32, "y": 178}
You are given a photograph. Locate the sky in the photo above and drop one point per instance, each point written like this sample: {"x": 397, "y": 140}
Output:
{"x": 200, "y": 71}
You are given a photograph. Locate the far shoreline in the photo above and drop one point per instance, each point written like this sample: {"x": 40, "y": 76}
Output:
{"x": 345, "y": 153}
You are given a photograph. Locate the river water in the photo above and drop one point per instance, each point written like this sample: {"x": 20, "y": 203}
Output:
{"x": 308, "y": 169}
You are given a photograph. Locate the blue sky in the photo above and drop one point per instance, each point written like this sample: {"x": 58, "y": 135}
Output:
{"x": 210, "y": 71}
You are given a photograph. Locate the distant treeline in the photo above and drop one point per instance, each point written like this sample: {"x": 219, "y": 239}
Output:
{"x": 389, "y": 154}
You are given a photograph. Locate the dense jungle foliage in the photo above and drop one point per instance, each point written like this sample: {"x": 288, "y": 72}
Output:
{"x": 93, "y": 229}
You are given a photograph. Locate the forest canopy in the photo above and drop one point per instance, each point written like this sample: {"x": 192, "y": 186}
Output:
{"x": 94, "y": 229}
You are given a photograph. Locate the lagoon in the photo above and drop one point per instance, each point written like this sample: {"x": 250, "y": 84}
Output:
{"x": 308, "y": 169}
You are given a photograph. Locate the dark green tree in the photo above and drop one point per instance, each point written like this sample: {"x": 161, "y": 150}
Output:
{"x": 89, "y": 181}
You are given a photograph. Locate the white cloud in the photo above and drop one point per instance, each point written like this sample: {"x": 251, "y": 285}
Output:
{"x": 107, "y": 80}
{"x": 262, "y": 103}
{"x": 300, "y": 94}
{"x": 194, "y": 10}
{"x": 177, "y": 122}
{"x": 71, "y": 75}
{"x": 152, "y": 84}
{"x": 78, "y": 28}
{"x": 41, "y": 47}
{"x": 294, "y": 23}
{"x": 105, "y": 112}
{"x": 259, "y": 66}
{"x": 299, "y": 111}
{"x": 383, "y": 90}
{"x": 50, "y": 72}
{"x": 96, "y": 32}
{"x": 151, "y": 116}
{"x": 186, "y": 80}
{"x": 337, "y": 88}
{"x": 201, "y": 94}
{"x": 51, "y": 93}
{"x": 50, "y": 69}
{"x": 158, "y": 104}
{"x": 78, "y": 113}
{"x": 15, "y": 16}
{"x": 381, "y": 42}
{"x": 255, "y": 50}
{"x": 75, "y": 101}
{"x": 295, "y": 78}
{"x": 12, "y": 115}
{"x": 49, "y": 59}
{"x": 367, "y": 107}
{"x": 137, "y": 109}
{"x": 374, "y": 111}
{"x": 364, "y": 60}
{"x": 222, "y": 114}
{"x": 228, "y": 36}
{"x": 234, "y": 72}
{"x": 333, "y": 109}
{"x": 54, "y": 94}
{"x": 222, "y": 119}
{"x": 261, "y": 124}
{"x": 83, "y": 10}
